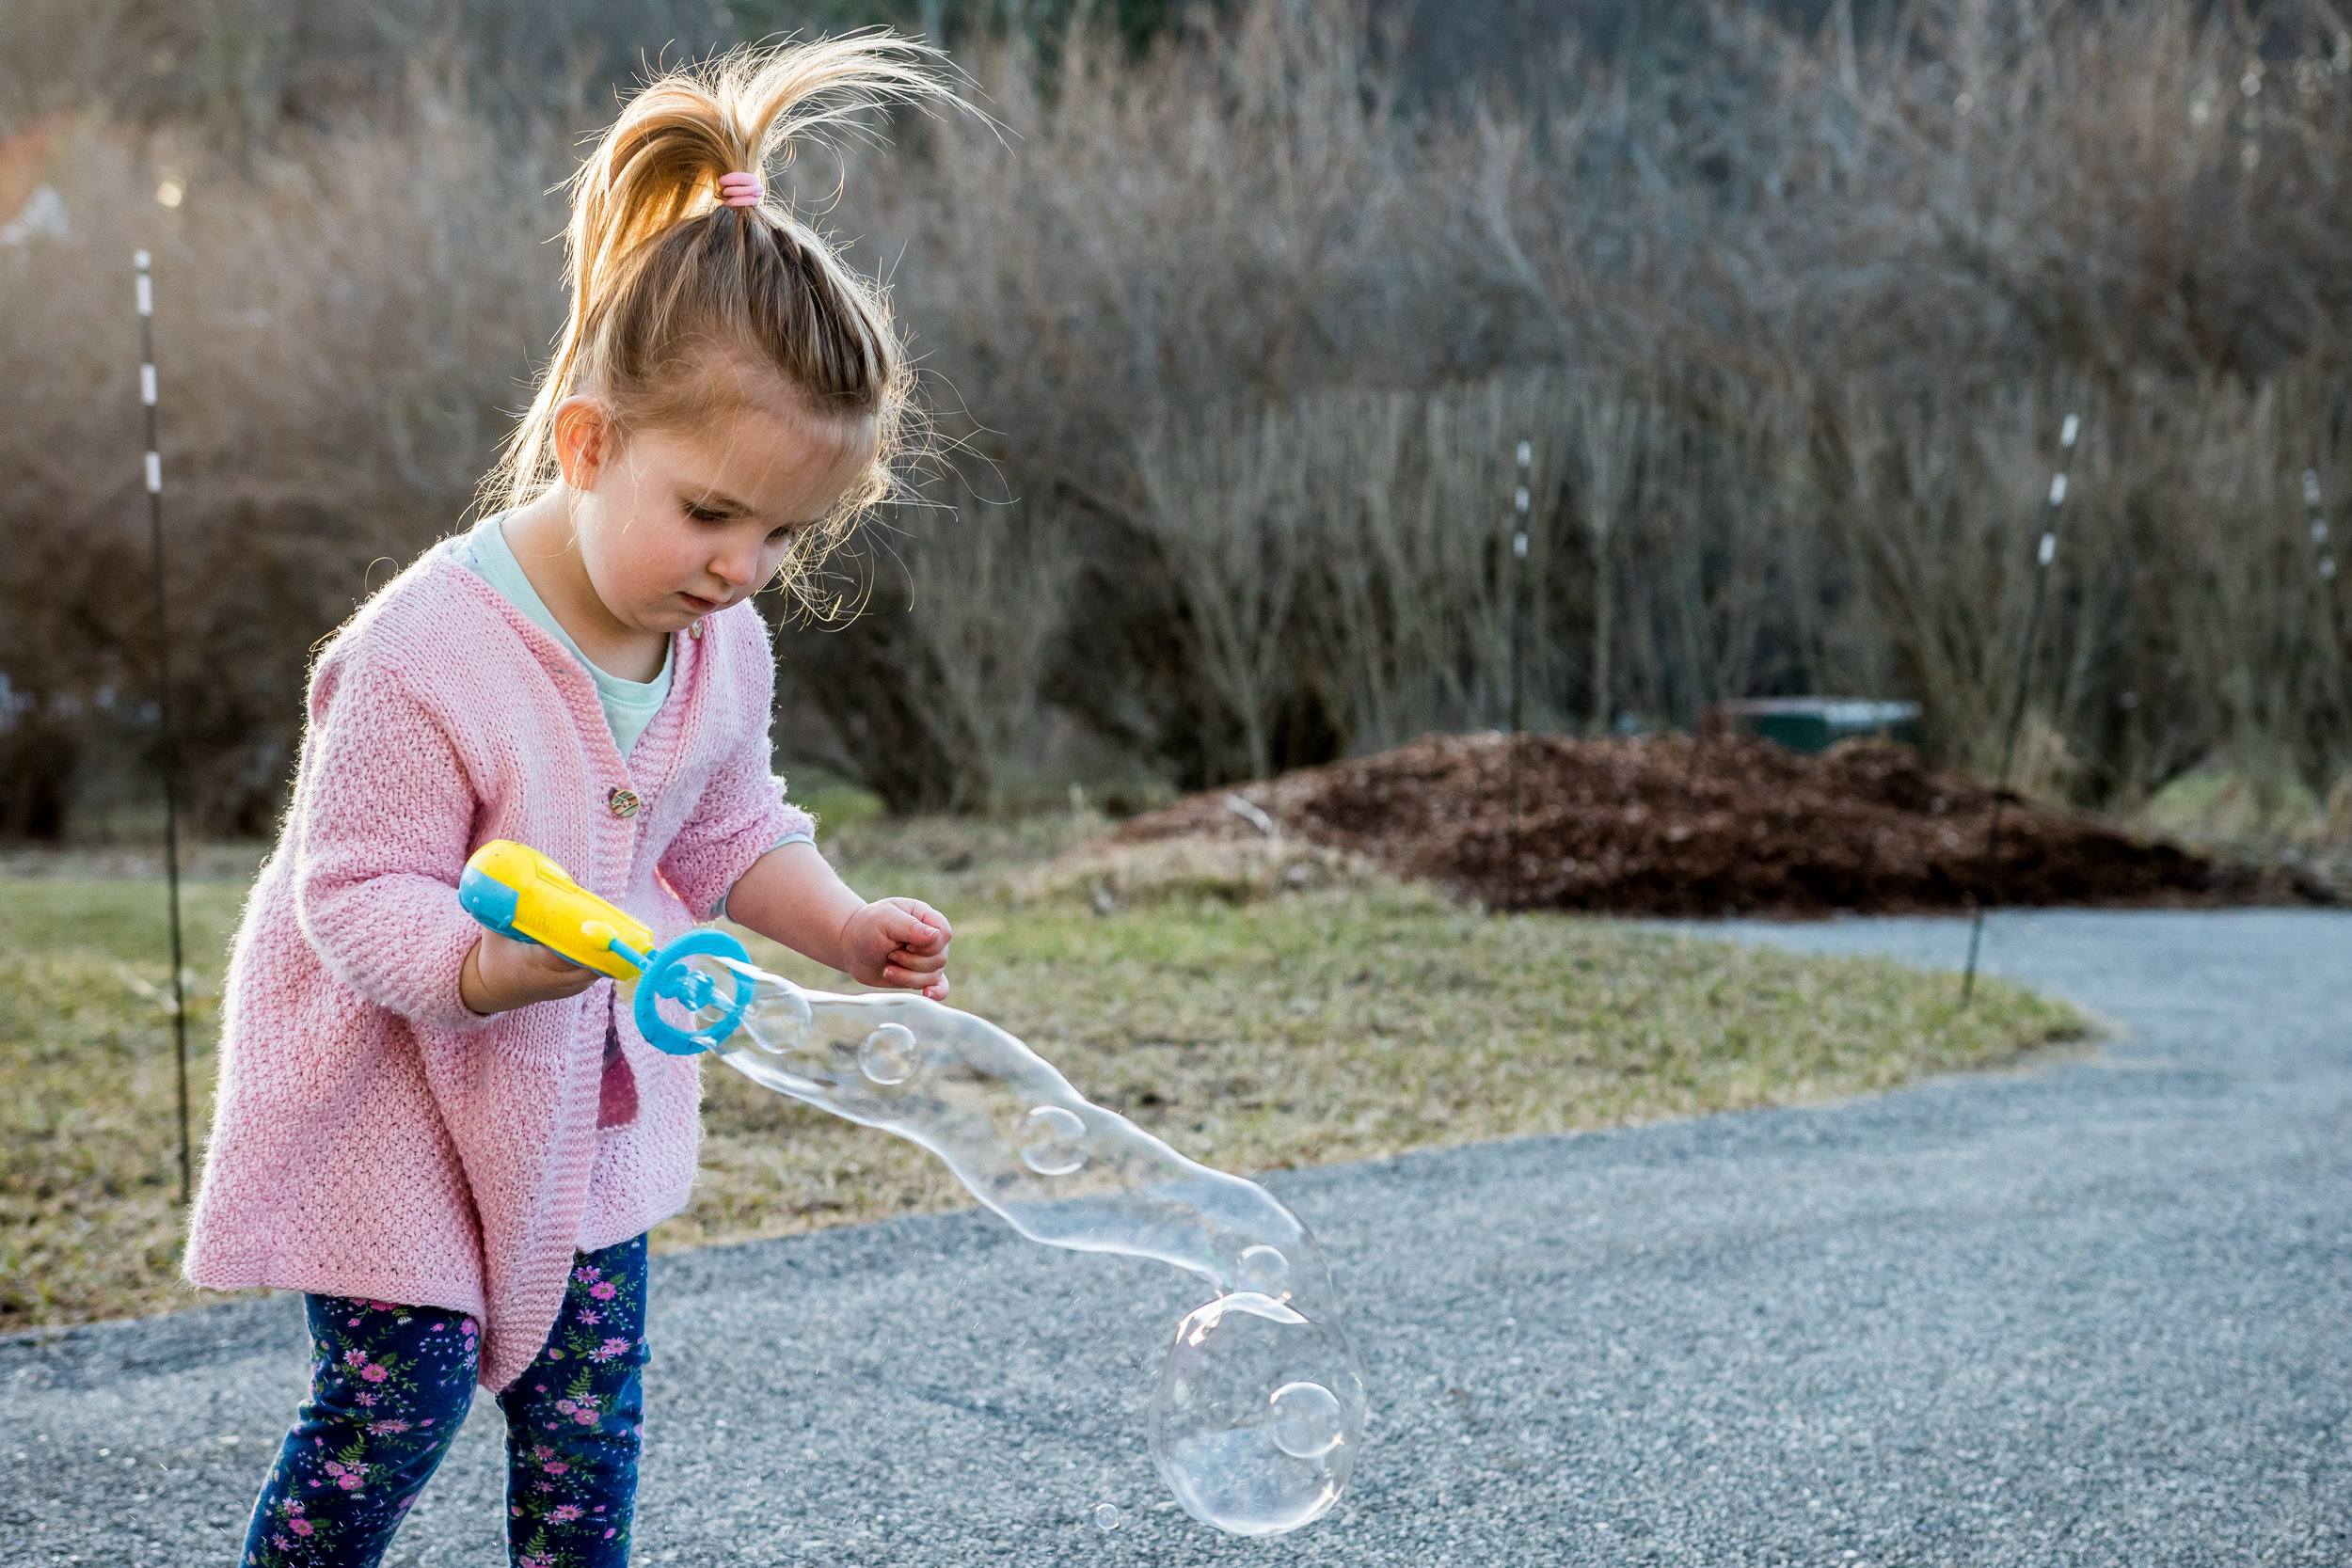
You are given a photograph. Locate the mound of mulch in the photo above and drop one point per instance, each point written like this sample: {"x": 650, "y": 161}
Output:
{"x": 1673, "y": 827}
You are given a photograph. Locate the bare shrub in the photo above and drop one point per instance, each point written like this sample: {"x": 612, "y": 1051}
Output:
{"x": 1410, "y": 512}
{"x": 335, "y": 337}
{"x": 932, "y": 690}
{"x": 1221, "y": 495}
{"x": 1789, "y": 320}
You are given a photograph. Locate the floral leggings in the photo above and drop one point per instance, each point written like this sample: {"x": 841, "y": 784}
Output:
{"x": 391, "y": 1388}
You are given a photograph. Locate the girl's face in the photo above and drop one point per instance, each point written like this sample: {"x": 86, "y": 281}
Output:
{"x": 673, "y": 524}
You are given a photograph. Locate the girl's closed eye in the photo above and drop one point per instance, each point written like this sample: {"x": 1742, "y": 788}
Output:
{"x": 716, "y": 513}
{"x": 705, "y": 503}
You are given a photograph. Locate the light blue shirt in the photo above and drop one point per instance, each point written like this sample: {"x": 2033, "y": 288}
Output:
{"x": 628, "y": 706}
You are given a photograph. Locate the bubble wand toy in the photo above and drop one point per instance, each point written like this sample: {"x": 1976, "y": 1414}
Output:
{"x": 1260, "y": 1407}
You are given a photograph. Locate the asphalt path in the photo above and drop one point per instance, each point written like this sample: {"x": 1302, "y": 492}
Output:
{"x": 2094, "y": 1310}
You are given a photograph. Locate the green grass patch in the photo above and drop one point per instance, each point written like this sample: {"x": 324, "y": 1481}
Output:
{"x": 1252, "y": 1029}
{"x": 89, "y": 1142}
{"x": 836, "y": 802}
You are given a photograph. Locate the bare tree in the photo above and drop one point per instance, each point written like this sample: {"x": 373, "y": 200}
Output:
{"x": 1221, "y": 497}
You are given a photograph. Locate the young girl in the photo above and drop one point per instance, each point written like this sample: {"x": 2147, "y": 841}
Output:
{"x": 451, "y": 1142}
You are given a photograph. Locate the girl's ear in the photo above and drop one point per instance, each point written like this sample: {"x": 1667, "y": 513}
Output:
{"x": 584, "y": 439}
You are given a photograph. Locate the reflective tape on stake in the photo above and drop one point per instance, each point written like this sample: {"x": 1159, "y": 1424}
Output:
{"x": 154, "y": 473}
{"x": 1522, "y": 500}
{"x": 2049, "y": 548}
{"x": 2058, "y": 489}
{"x": 147, "y": 385}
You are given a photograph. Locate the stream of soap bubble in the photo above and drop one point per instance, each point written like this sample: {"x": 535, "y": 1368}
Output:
{"x": 1260, "y": 1407}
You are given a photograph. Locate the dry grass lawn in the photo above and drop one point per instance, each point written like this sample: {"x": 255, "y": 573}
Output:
{"x": 1254, "y": 1015}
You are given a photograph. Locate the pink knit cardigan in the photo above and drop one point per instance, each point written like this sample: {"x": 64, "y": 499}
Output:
{"x": 370, "y": 1136}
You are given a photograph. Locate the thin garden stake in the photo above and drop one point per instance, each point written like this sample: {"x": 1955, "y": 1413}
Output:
{"x": 1987, "y": 883}
{"x": 1518, "y": 620}
{"x": 2326, "y": 555}
{"x": 170, "y": 756}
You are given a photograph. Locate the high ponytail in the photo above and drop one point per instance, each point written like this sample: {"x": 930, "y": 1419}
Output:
{"x": 663, "y": 273}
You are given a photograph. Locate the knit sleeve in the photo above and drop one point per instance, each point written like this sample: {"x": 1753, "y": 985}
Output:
{"x": 383, "y": 814}
{"x": 742, "y": 814}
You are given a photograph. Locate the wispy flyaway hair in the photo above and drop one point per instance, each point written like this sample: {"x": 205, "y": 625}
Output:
{"x": 681, "y": 302}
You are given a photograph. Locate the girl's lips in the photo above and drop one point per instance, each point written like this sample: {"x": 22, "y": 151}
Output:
{"x": 699, "y": 605}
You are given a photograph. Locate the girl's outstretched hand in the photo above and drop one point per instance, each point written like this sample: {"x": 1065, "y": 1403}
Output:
{"x": 502, "y": 974}
{"x": 901, "y": 943}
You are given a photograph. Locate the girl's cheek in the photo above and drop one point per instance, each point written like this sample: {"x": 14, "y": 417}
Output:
{"x": 663, "y": 570}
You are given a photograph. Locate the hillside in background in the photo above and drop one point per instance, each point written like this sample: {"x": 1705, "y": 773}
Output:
{"x": 1235, "y": 337}
{"x": 242, "y": 65}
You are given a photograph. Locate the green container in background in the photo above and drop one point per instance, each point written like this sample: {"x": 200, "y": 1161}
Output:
{"x": 1812, "y": 724}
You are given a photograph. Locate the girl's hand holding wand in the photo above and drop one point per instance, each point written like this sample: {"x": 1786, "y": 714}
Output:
{"x": 502, "y": 974}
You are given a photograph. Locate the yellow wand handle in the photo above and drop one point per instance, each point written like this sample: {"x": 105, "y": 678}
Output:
{"x": 520, "y": 893}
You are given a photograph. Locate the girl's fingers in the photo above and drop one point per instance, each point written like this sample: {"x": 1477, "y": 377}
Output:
{"x": 531, "y": 955}
{"x": 925, "y": 926}
{"x": 934, "y": 984}
{"x": 904, "y": 929}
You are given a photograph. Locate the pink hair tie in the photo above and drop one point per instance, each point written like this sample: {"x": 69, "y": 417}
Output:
{"x": 740, "y": 190}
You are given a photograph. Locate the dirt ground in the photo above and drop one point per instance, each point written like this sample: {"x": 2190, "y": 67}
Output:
{"x": 1668, "y": 826}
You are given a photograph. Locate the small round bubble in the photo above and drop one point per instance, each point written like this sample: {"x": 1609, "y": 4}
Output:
{"x": 1264, "y": 1270}
{"x": 889, "y": 1055}
{"x": 1107, "y": 1517}
{"x": 1307, "y": 1419}
{"x": 1053, "y": 1143}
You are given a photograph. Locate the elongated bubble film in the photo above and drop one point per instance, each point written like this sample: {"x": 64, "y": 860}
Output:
{"x": 1260, "y": 1404}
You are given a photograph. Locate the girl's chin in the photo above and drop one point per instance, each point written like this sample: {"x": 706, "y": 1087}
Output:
{"x": 663, "y": 619}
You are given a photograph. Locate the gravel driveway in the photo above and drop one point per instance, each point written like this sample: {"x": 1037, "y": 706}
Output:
{"x": 2094, "y": 1311}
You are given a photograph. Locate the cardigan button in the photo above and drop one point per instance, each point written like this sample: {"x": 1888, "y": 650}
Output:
{"x": 695, "y": 631}
{"x": 623, "y": 802}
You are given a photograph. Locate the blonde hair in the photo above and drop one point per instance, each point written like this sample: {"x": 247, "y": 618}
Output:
{"x": 664, "y": 276}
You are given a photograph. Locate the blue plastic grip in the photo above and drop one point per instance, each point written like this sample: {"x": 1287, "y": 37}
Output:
{"x": 491, "y": 902}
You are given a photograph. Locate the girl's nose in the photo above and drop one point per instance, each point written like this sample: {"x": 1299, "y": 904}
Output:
{"x": 735, "y": 568}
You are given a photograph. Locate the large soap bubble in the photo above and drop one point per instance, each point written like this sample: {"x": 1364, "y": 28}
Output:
{"x": 1247, "y": 1427}
{"x": 1261, "y": 1403}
